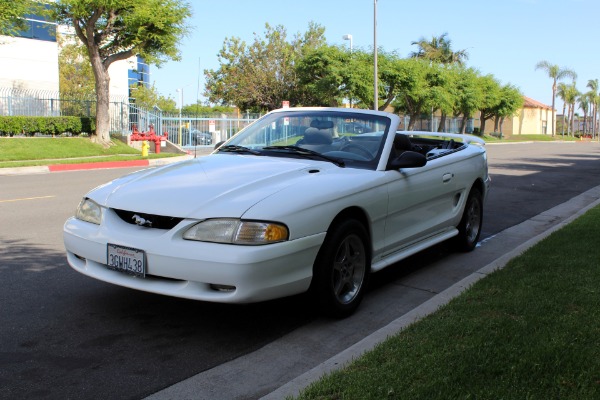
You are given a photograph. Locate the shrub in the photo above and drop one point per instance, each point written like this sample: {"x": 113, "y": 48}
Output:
{"x": 18, "y": 125}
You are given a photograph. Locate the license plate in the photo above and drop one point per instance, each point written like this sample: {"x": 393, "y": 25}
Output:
{"x": 126, "y": 260}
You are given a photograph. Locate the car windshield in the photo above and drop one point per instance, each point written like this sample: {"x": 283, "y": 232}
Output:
{"x": 345, "y": 138}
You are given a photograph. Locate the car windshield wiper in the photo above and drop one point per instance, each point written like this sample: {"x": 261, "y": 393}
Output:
{"x": 306, "y": 152}
{"x": 232, "y": 148}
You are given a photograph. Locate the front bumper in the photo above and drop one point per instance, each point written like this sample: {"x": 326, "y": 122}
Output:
{"x": 194, "y": 270}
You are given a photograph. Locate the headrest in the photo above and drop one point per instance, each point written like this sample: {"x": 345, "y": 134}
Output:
{"x": 317, "y": 136}
{"x": 321, "y": 124}
{"x": 402, "y": 142}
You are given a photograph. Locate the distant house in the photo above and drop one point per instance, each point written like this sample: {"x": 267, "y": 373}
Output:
{"x": 533, "y": 119}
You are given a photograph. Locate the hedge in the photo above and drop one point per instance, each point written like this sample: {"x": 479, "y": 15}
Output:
{"x": 29, "y": 126}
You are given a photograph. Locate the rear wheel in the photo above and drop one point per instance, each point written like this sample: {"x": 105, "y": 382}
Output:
{"x": 342, "y": 269}
{"x": 469, "y": 228}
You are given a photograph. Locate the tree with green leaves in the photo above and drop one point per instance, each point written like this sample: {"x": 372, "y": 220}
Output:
{"x": 12, "y": 13}
{"x": 114, "y": 30}
{"x": 555, "y": 73}
{"x": 259, "y": 76}
{"x": 442, "y": 91}
{"x": 469, "y": 95}
{"x": 439, "y": 50}
{"x": 75, "y": 75}
{"x": 323, "y": 76}
{"x": 491, "y": 90}
{"x": 149, "y": 98}
{"x": 412, "y": 88}
{"x": 204, "y": 111}
{"x": 511, "y": 101}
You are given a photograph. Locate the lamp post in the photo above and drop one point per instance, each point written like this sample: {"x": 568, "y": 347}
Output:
{"x": 375, "y": 75}
{"x": 348, "y": 37}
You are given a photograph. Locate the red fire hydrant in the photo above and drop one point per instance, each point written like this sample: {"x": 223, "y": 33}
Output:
{"x": 150, "y": 136}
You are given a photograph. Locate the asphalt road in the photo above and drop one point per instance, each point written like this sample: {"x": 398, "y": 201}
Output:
{"x": 63, "y": 335}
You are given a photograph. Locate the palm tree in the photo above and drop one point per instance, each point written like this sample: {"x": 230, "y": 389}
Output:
{"x": 595, "y": 99}
{"x": 561, "y": 92}
{"x": 439, "y": 50}
{"x": 571, "y": 98}
{"x": 555, "y": 73}
{"x": 583, "y": 100}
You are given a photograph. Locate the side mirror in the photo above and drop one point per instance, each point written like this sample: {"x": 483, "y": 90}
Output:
{"x": 218, "y": 144}
{"x": 408, "y": 159}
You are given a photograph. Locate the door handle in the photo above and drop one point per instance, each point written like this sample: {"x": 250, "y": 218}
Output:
{"x": 447, "y": 177}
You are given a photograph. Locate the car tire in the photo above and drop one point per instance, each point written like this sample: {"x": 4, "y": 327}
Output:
{"x": 469, "y": 228}
{"x": 341, "y": 270}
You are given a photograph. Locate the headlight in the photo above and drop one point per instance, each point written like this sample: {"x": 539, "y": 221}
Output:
{"x": 236, "y": 231}
{"x": 89, "y": 211}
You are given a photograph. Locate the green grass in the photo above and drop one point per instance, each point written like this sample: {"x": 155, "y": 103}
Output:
{"x": 22, "y": 152}
{"x": 529, "y": 138}
{"x": 528, "y": 331}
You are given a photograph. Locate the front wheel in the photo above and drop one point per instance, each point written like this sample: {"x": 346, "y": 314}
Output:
{"x": 342, "y": 268}
{"x": 469, "y": 228}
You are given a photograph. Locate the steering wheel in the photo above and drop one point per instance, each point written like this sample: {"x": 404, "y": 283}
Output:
{"x": 357, "y": 149}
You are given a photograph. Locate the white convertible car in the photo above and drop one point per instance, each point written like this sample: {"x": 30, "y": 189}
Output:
{"x": 300, "y": 200}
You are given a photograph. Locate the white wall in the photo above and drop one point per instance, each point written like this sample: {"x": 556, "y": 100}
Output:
{"x": 28, "y": 64}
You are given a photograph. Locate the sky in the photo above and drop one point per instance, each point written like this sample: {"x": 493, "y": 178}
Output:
{"x": 505, "y": 38}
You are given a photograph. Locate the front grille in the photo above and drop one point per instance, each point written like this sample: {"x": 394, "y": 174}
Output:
{"x": 147, "y": 220}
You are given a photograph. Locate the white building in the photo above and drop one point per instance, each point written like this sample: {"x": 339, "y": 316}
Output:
{"x": 29, "y": 61}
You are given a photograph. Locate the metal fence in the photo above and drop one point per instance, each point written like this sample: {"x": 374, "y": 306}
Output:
{"x": 41, "y": 103}
{"x": 431, "y": 124}
{"x": 183, "y": 130}
{"x": 186, "y": 130}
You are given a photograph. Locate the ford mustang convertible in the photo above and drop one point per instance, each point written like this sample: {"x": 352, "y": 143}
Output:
{"x": 298, "y": 201}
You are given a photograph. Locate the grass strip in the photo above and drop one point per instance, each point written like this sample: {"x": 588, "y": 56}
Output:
{"x": 26, "y": 152}
{"x": 528, "y": 331}
{"x": 530, "y": 138}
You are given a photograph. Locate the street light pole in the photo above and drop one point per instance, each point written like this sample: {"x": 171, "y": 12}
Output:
{"x": 180, "y": 91}
{"x": 376, "y": 96}
{"x": 349, "y": 37}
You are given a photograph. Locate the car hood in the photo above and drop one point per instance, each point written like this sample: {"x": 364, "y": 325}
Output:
{"x": 215, "y": 185}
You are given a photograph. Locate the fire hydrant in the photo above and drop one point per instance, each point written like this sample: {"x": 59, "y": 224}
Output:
{"x": 149, "y": 136}
{"x": 145, "y": 148}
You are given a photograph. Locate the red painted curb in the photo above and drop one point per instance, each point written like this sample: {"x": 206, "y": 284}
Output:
{"x": 98, "y": 165}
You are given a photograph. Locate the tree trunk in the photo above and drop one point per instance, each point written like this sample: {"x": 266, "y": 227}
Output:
{"x": 553, "y": 104}
{"x": 442, "y": 127}
{"x": 411, "y": 122}
{"x": 102, "y": 112}
{"x": 463, "y": 124}
{"x": 482, "y": 125}
{"x": 102, "y": 134}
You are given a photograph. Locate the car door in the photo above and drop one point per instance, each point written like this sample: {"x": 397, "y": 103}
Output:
{"x": 422, "y": 202}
